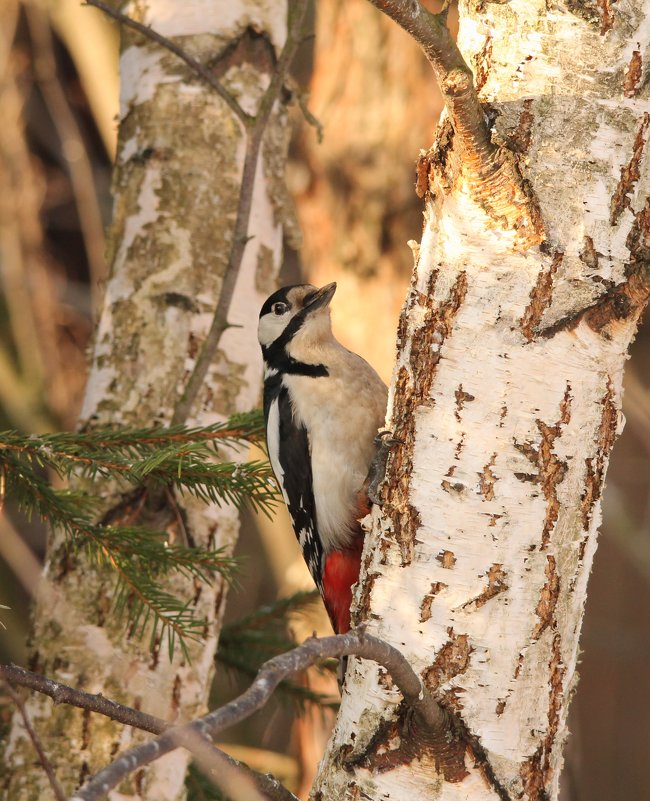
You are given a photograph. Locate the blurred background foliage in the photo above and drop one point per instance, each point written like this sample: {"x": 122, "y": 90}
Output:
{"x": 374, "y": 94}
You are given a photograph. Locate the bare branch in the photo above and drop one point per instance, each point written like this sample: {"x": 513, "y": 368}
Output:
{"x": 493, "y": 176}
{"x": 453, "y": 74}
{"x": 255, "y": 127}
{"x": 196, "y": 66}
{"x": 38, "y": 745}
{"x": 240, "y": 234}
{"x": 417, "y": 697}
{"x": 213, "y": 763}
{"x": 63, "y": 694}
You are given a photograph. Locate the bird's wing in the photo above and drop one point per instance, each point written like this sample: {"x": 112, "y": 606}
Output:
{"x": 290, "y": 455}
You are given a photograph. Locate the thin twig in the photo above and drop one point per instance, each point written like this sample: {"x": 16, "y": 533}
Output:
{"x": 191, "y": 62}
{"x": 234, "y": 784}
{"x": 416, "y": 696}
{"x": 453, "y": 74}
{"x": 254, "y": 127}
{"x": 493, "y": 177}
{"x": 36, "y": 741}
{"x": 240, "y": 234}
{"x": 63, "y": 694}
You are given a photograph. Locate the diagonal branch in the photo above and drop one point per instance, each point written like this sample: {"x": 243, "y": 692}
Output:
{"x": 196, "y": 66}
{"x": 417, "y": 697}
{"x": 63, "y": 694}
{"x": 492, "y": 173}
{"x": 254, "y": 127}
{"x": 240, "y": 237}
{"x": 453, "y": 74}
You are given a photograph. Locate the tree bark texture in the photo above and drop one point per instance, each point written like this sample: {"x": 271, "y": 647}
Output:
{"x": 506, "y": 396}
{"x": 176, "y": 186}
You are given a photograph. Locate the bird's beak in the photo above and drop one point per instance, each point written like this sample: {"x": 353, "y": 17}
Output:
{"x": 321, "y": 297}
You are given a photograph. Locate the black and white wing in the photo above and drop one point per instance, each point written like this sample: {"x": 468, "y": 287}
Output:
{"x": 290, "y": 456}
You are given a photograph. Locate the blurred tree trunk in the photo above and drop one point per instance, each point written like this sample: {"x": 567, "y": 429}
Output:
{"x": 506, "y": 396}
{"x": 354, "y": 191}
{"x": 176, "y": 187}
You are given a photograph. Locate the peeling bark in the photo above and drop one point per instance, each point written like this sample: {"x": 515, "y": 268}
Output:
{"x": 176, "y": 186}
{"x": 506, "y": 396}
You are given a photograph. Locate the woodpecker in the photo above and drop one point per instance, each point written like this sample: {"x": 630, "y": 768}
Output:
{"x": 323, "y": 406}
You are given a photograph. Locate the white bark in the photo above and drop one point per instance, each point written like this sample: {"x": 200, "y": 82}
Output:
{"x": 507, "y": 396}
{"x": 176, "y": 186}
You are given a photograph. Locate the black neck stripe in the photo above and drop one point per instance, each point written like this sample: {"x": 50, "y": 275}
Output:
{"x": 286, "y": 364}
{"x": 276, "y": 351}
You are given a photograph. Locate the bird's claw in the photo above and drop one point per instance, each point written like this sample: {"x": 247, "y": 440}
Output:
{"x": 384, "y": 441}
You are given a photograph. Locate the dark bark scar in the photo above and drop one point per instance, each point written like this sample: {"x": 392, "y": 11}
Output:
{"x": 425, "y": 353}
{"x": 622, "y": 303}
{"x": 540, "y": 298}
{"x": 630, "y": 174}
{"x": 522, "y": 135}
{"x": 588, "y": 255}
{"x": 633, "y": 73}
{"x": 551, "y": 469}
{"x": 462, "y": 398}
{"x": 496, "y": 584}
{"x": 427, "y": 601}
{"x": 361, "y": 610}
{"x": 483, "y": 63}
{"x": 446, "y": 559}
{"x": 452, "y": 660}
{"x": 595, "y": 466}
{"x": 548, "y": 598}
{"x": 606, "y": 15}
{"x": 487, "y": 479}
{"x": 536, "y": 772}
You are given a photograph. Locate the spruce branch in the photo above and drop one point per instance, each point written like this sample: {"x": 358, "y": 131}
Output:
{"x": 107, "y": 451}
{"x": 175, "y": 456}
{"x": 179, "y": 458}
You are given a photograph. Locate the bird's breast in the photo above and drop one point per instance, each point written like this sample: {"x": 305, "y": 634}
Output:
{"x": 341, "y": 415}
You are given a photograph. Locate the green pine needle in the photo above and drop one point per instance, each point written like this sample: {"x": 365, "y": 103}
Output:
{"x": 178, "y": 457}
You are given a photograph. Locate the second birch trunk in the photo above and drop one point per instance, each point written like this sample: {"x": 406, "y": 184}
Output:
{"x": 176, "y": 187}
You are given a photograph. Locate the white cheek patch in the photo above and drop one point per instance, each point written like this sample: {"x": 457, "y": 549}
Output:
{"x": 271, "y": 326}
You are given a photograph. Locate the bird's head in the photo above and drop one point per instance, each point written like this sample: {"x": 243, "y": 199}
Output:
{"x": 295, "y": 315}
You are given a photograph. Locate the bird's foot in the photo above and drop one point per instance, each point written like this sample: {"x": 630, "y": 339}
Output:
{"x": 384, "y": 442}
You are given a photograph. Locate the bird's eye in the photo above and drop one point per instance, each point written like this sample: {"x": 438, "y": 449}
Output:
{"x": 279, "y": 308}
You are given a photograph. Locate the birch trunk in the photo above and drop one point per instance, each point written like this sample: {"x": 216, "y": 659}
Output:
{"x": 176, "y": 187}
{"x": 507, "y": 395}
